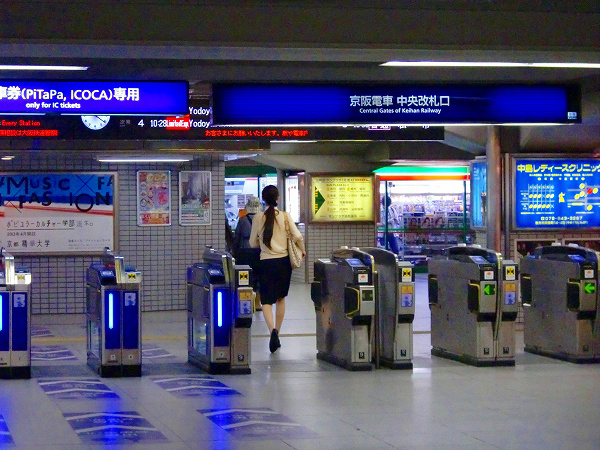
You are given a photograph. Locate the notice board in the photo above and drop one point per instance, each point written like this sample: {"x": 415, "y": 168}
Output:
{"x": 57, "y": 213}
{"x": 342, "y": 198}
{"x": 556, "y": 193}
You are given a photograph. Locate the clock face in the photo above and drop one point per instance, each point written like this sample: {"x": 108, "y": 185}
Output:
{"x": 95, "y": 122}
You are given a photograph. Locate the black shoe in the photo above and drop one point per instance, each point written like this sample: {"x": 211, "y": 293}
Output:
{"x": 274, "y": 342}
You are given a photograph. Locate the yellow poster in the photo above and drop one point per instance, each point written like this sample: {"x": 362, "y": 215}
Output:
{"x": 342, "y": 198}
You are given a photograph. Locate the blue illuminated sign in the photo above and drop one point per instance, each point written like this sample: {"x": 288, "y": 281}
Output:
{"x": 271, "y": 104}
{"x": 219, "y": 309}
{"x": 478, "y": 193}
{"x": 557, "y": 193}
{"x": 94, "y": 97}
{"x": 111, "y": 311}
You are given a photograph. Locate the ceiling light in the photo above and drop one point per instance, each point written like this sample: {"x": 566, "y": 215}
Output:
{"x": 556, "y": 65}
{"x": 7, "y": 158}
{"x": 292, "y": 141}
{"x": 31, "y": 67}
{"x": 144, "y": 159}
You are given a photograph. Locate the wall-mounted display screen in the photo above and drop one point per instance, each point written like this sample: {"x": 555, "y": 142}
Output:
{"x": 342, "y": 199}
{"x": 478, "y": 193}
{"x": 557, "y": 193}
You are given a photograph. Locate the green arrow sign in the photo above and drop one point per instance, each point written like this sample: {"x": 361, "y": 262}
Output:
{"x": 589, "y": 287}
{"x": 489, "y": 289}
{"x": 319, "y": 200}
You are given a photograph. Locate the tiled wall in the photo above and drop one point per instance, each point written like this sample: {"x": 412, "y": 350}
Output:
{"x": 322, "y": 239}
{"x": 161, "y": 253}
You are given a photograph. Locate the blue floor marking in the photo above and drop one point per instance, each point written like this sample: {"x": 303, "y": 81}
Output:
{"x": 113, "y": 427}
{"x": 154, "y": 353}
{"x": 194, "y": 386}
{"x": 258, "y": 423}
{"x": 51, "y": 353}
{"x": 76, "y": 389}
{"x": 5, "y": 437}
{"x": 37, "y": 331}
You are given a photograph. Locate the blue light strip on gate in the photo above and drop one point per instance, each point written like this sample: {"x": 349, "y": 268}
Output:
{"x": 219, "y": 309}
{"x": 1, "y": 317}
{"x": 111, "y": 312}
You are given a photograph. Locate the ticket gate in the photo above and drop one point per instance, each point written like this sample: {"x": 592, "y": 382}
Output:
{"x": 559, "y": 290}
{"x": 220, "y": 307}
{"x": 113, "y": 318}
{"x": 343, "y": 293}
{"x": 395, "y": 311}
{"x": 15, "y": 319}
{"x": 473, "y": 298}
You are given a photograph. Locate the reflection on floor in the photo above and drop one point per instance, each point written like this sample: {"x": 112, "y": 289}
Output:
{"x": 291, "y": 400}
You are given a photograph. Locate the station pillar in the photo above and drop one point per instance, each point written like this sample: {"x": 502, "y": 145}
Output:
{"x": 494, "y": 189}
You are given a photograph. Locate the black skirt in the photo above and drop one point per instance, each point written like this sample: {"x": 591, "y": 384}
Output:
{"x": 275, "y": 276}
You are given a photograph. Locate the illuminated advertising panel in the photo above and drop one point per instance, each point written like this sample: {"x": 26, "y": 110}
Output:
{"x": 342, "y": 199}
{"x": 557, "y": 193}
{"x": 478, "y": 193}
{"x": 277, "y": 104}
{"x": 93, "y": 97}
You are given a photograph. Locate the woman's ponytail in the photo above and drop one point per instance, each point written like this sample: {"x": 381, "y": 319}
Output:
{"x": 270, "y": 195}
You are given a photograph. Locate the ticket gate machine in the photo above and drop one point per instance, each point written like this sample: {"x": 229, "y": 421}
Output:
{"x": 113, "y": 318}
{"x": 559, "y": 289}
{"x": 473, "y": 299}
{"x": 343, "y": 293}
{"x": 220, "y": 307}
{"x": 395, "y": 293}
{"x": 15, "y": 319}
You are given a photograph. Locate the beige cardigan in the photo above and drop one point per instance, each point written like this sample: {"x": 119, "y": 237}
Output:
{"x": 279, "y": 240}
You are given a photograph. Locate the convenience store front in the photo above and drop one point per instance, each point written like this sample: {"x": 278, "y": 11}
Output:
{"x": 427, "y": 209}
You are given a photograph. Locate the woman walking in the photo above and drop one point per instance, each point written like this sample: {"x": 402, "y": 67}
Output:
{"x": 275, "y": 273}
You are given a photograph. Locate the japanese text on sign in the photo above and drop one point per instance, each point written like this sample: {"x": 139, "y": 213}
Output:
{"x": 57, "y": 212}
{"x": 557, "y": 193}
{"x": 342, "y": 199}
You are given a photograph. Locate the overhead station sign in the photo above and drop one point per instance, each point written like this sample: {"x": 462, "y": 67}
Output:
{"x": 342, "y": 199}
{"x": 557, "y": 193}
{"x": 93, "y": 97}
{"x": 196, "y": 124}
{"x": 278, "y": 104}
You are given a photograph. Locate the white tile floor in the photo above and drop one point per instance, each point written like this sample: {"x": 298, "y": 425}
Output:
{"x": 540, "y": 403}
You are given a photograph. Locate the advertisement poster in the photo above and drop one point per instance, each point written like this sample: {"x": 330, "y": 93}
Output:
{"x": 478, "y": 193}
{"x": 557, "y": 193}
{"x": 342, "y": 199}
{"x": 194, "y": 198}
{"x": 57, "y": 213}
{"x": 154, "y": 198}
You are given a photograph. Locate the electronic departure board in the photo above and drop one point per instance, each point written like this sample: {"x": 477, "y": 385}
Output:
{"x": 557, "y": 193}
{"x": 194, "y": 126}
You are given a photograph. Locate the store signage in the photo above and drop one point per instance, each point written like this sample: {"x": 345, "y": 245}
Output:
{"x": 557, "y": 193}
{"x": 277, "y": 104}
{"x": 93, "y": 97}
{"x": 57, "y": 213}
{"x": 342, "y": 198}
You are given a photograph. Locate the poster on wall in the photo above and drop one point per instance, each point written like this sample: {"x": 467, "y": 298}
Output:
{"x": 342, "y": 199}
{"x": 478, "y": 193}
{"x": 194, "y": 198}
{"x": 557, "y": 193}
{"x": 57, "y": 213}
{"x": 154, "y": 197}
